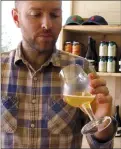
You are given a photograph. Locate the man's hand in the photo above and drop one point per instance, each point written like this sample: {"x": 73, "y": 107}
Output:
{"x": 102, "y": 105}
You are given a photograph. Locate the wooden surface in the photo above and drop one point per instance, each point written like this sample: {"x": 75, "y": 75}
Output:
{"x": 109, "y": 74}
{"x": 113, "y": 29}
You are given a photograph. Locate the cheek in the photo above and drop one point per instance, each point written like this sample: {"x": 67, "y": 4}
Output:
{"x": 28, "y": 30}
{"x": 57, "y": 28}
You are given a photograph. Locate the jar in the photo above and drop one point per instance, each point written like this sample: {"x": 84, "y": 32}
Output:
{"x": 111, "y": 64}
{"x": 68, "y": 47}
{"x": 103, "y": 48}
{"x": 76, "y": 48}
{"x": 102, "y": 67}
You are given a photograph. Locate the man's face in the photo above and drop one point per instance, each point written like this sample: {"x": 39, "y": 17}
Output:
{"x": 40, "y": 23}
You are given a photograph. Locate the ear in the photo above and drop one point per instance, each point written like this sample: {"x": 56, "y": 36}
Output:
{"x": 15, "y": 17}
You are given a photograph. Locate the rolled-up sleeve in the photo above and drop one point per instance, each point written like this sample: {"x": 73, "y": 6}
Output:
{"x": 108, "y": 144}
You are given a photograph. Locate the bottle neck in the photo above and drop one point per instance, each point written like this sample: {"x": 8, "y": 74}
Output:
{"x": 117, "y": 109}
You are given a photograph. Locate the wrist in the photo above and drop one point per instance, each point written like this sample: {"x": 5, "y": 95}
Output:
{"x": 108, "y": 133}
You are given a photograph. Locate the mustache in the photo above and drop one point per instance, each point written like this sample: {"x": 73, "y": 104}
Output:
{"x": 48, "y": 31}
{"x": 45, "y": 33}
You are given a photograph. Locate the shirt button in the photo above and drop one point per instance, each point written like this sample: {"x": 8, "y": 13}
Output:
{"x": 32, "y": 125}
{"x": 33, "y": 101}
{"x": 35, "y": 78}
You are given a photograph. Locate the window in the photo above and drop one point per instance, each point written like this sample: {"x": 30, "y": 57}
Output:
{"x": 11, "y": 35}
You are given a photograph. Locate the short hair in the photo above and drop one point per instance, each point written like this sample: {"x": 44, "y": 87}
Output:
{"x": 16, "y": 3}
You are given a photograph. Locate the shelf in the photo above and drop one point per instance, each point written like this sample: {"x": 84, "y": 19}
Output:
{"x": 106, "y": 74}
{"x": 111, "y": 29}
{"x": 99, "y": 33}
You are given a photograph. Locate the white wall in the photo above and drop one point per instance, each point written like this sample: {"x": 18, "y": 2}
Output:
{"x": 110, "y": 10}
{"x": 11, "y": 35}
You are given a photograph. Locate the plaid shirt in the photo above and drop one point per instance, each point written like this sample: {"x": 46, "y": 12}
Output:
{"x": 34, "y": 115}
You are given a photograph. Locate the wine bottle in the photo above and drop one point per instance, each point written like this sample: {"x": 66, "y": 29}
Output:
{"x": 117, "y": 117}
{"x": 91, "y": 54}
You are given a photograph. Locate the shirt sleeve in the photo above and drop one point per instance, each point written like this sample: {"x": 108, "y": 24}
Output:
{"x": 108, "y": 144}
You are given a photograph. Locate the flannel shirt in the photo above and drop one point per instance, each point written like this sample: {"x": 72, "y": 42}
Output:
{"x": 34, "y": 115}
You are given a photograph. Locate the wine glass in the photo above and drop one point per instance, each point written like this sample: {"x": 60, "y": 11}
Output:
{"x": 76, "y": 93}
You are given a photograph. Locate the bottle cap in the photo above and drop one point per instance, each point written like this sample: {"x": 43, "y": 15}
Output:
{"x": 91, "y": 61}
{"x": 120, "y": 62}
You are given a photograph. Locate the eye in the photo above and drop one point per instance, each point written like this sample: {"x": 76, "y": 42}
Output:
{"x": 35, "y": 14}
{"x": 54, "y": 15}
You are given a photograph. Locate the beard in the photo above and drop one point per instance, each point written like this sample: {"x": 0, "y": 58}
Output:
{"x": 39, "y": 45}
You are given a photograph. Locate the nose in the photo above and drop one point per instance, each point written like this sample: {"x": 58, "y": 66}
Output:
{"x": 46, "y": 22}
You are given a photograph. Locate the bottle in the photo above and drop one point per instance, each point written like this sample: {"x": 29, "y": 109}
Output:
{"x": 76, "y": 48}
{"x": 111, "y": 64}
{"x": 117, "y": 117}
{"x": 103, "y": 54}
{"x": 112, "y": 49}
{"x": 103, "y": 49}
{"x": 102, "y": 64}
{"x": 91, "y": 54}
{"x": 95, "y": 54}
{"x": 119, "y": 63}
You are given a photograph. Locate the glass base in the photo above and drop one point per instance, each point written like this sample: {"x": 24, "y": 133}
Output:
{"x": 96, "y": 125}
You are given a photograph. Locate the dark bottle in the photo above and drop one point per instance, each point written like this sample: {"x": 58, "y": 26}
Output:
{"x": 117, "y": 117}
{"x": 91, "y": 54}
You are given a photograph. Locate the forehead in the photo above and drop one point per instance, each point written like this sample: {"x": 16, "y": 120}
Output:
{"x": 42, "y": 4}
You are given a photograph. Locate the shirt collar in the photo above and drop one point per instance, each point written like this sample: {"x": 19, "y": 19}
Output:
{"x": 19, "y": 58}
{"x": 55, "y": 58}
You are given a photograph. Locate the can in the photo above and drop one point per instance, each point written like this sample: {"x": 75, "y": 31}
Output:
{"x": 68, "y": 47}
{"x": 76, "y": 48}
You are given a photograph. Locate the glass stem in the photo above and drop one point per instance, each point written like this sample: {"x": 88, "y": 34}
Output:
{"x": 88, "y": 110}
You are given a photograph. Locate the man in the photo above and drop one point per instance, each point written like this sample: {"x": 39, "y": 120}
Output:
{"x": 33, "y": 112}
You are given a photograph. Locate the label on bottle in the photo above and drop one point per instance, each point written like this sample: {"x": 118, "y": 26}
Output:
{"x": 111, "y": 64}
{"x": 118, "y": 133}
{"x": 112, "y": 49}
{"x": 103, "y": 49}
{"x": 102, "y": 64}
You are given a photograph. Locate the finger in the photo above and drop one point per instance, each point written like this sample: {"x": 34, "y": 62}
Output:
{"x": 93, "y": 75}
{"x": 102, "y": 99}
{"x": 100, "y": 90}
{"x": 97, "y": 82}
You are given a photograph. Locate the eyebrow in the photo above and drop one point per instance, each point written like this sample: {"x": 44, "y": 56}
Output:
{"x": 37, "y": 8}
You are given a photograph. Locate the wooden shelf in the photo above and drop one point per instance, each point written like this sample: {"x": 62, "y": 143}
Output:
{"x": 110, "y": 29}
{"x": 106, "y": 74}
{"x": 99, "y": 33}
